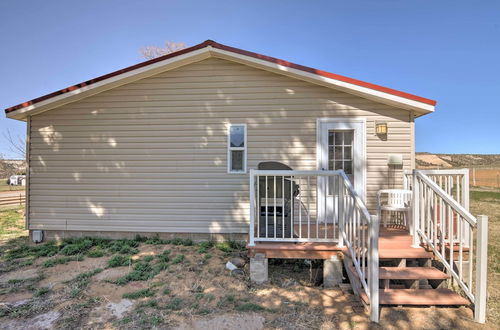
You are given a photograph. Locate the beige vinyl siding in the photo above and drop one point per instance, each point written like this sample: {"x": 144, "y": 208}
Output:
{"x": 150, "y": 156}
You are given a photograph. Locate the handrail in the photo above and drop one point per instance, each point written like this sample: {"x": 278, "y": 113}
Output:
{"x": 447, "y": 227}
{"x": 360, "y": 234}
{"x": 295, "y": 173}
{"x": 453, "y": 203}
{"x": 355, "y": 195}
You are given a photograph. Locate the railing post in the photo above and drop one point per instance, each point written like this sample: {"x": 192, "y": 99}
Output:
{"x": 341, "y": 210}
{"x": 374, "y": 227}
{"x": 465, "y": 190}
{"x": 252, "y": 209}
{"x": 465, "y": 204}
{"x": 415, "y": 217}
{"x": 481, "y": 269}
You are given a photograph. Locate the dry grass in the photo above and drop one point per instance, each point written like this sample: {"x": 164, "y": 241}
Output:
{"x": 488, "y": 203}
{"x": 174, "y": 290}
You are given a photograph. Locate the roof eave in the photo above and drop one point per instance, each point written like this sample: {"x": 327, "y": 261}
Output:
{"x": 106, "y": 84}
{"x": 420, "y": 108}
{"x": 419, "y": 105}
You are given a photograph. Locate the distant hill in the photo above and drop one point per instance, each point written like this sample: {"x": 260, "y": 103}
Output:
{"x": 428, "y": 160}
{"x": 10, "y": 167}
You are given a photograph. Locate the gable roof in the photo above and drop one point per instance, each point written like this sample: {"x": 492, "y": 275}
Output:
{"x": 209, "y": 48}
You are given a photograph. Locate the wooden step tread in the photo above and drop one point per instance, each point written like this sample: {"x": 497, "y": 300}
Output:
{"x": 432, "y": 297}
{"x": 404, "y": 253}
{"x": 411, "y": 273}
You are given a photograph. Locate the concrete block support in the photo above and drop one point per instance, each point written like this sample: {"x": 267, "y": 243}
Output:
{"x": 259, "y": 268}
{"x": 332, "y": 272}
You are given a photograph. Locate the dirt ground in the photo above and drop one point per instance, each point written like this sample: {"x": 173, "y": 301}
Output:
{"x": 189, "y": 287}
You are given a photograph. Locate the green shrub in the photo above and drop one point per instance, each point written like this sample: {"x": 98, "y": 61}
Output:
{"x": 167, "y": 291}
{"x": 143, "y": 271}
{"x": 156, "y": 241}
{"x": 204, "y": 246}
{"x": 96, "y": 253}
{"x": 230, "y": 246}
{"x": 48, "y": 249}
{"x": 59, "y": 261}
{"x": 124, "y": 246}
{"x": 174, "y": 304}
{"x": 181, "y": 241}
{"x": 119, "y": 260}
{"x": 159, "y": 266}
{"x": 164, "y": 256}
{"x": 79, "y": 283}
{"x": 150, "y": 303}
{"x": 178, "y": 259}
{"x": 250, "y": 307}
{"x": 78, "y": 247}
{"x": 41, "y": 291}
{"x": 205, "y": 258}
{"x": 226, "y": 301}
{"x": 139, "y": 294}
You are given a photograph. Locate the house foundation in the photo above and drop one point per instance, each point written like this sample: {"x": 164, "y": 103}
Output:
{"x": 49, "y": 235}
{"x": 259, "y": 268}
{"x": 332, "y": 271}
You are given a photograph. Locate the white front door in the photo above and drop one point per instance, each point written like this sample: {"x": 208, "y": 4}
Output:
{"x": 341, "y": 146}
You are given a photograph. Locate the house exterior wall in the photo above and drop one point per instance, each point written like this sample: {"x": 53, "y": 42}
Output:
{"x": 151, "y": 156}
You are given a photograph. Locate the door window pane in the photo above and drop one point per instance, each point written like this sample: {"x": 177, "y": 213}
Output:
{"x": 337, "y": 138}
{"x": 347, "y": 153}
{"x": 340, "y": 152}
{"x": 348, "y": 137}
{"x": 348, "y": 167}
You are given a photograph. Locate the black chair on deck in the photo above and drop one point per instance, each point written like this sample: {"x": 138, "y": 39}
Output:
{"x": 285, "y": 193}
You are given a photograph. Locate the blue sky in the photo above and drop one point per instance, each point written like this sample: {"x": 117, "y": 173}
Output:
{"x": 444, "y": 50}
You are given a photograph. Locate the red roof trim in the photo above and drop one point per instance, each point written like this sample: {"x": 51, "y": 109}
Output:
{"x": 233, "y": 50}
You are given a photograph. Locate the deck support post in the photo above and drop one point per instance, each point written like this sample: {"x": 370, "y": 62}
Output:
{"x": 332, "y": 271}
{"x": 373, "y": 268}
{"x": 481, "y": 269}
{"x": 259, "y": 268}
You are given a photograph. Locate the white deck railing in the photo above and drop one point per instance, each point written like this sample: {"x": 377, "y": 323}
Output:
{"x": 316, "y": 206}
{"x": 292, "y": 206}
{"x": 445, "y": 225}
{"x": 360, "y": 233}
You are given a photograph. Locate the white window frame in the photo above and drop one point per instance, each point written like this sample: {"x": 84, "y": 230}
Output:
{"x": 229, "y": 149}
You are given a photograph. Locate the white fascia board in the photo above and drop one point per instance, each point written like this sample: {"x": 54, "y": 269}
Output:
{"x": 394, "y": 100}
{"x": 112, "y": 82}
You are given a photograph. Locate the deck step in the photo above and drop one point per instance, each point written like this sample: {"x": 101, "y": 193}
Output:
{"x": 404, "y": 253}
{"x": 411, "y": 273}
{"x": 414, "y": 297}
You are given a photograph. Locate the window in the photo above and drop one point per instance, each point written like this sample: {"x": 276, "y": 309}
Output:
{"x": 236, "y": 149}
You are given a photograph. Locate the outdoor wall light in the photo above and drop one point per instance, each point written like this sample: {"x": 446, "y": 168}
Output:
{"x": 381, "y": 128}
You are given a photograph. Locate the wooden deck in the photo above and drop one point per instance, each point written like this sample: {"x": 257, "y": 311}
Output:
{"x": 392, "y": 241}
